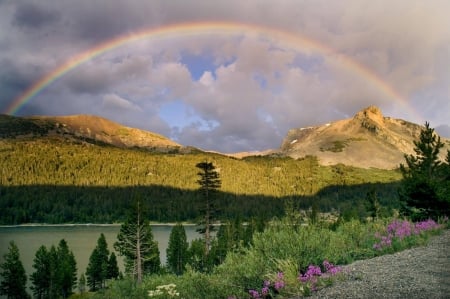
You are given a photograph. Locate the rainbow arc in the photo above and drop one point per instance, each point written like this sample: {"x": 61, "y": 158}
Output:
{"x": 293, "y": 40}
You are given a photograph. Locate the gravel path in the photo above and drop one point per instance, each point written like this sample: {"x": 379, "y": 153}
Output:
{"x": 421, "y": 272}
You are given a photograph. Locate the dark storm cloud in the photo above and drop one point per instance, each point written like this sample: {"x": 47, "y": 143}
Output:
{"x": 14, "y": 79}
{"x": 32, "y": 15}
{"x": 255, "y": 89}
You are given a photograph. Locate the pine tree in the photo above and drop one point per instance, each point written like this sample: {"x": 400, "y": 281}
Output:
{"x": 113, "y": 269}
{"x": 224, "y": 242}
{"x": 177, "y": 249}
{"x": 13, "y": 277}
{"x": 422, "y": 178}
{"x": 94, "y": 271}
{"x": 97, "y": 270}
{"x": 66, "y": 269}
{"x": 54, "y": 281}
{"x": 209, "y": 182}
{"x": 444, "y": 187}
{"x": 196, "y": 254}
{"x": 41, "y": 277}
{"x": 135, "y": 243}
{"x": 373, "y": 204}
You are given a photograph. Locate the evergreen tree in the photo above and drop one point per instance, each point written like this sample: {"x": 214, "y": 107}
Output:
{"x": 135, "y": 243}
{"x": 209, "y": 182}
{"x": 41, "y": 277}
{"x": 224, "y": 242}
{"x": 196, "y": 254}
{"x": 13, "y": 277}
{"x": 94, "y": 271}
{"x": 422, "y": 177}
{"x": 444, "y": 190}
{"x": 177, "y": 249}
{"x": 113, "y": 268}
{"x": 373, "y": 204}
{"x": 54, "y": 281}
{"x": 97, "y": 270}
{"x": 66, "y": 269}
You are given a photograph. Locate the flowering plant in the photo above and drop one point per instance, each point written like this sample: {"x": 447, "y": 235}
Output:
{"x": 310, "y": 280}
{"x": 311, "y": 277}
{"x": 269, "y": 289}
{"x": 398, "y": 230}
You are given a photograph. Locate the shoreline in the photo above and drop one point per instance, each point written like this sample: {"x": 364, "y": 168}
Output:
{"x": 84, "y": 224}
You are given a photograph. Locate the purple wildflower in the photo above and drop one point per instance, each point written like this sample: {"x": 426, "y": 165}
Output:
{"x": 254, "y": 294}
{"x": 330, "y": 268}
{"x": 401, "y": 229}
{"x": 279, "y": 283}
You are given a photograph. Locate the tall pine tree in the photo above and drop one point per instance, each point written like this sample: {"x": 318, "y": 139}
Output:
{"x": 113, "y": 268}
{"x": 177, "y": 249}
{"x": 422, "y": 178}
{"x": 209, "y": 182}
{"x": 135, "y": 243}
{"x": 66, "y": 269}
{"x": 13, "y": 277}
{"x": 41, "y": 276}
{"x": 97, "y": 270}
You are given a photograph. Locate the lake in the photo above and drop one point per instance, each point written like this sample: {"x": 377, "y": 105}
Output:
{"x": 81, "y": 239}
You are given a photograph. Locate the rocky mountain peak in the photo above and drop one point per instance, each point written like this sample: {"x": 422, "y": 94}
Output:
{"x": 370, "y": 118}
{"x": 372, "y": 113}
{"x": 366, "y": 140}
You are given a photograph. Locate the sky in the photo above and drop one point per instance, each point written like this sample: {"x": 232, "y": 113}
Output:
{"x": 273, "y": 66}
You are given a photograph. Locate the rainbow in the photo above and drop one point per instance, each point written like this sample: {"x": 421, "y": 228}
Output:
{"x": 294, "y": 40}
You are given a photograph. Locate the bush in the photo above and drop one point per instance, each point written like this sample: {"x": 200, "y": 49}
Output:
{"x": 285, "y": 260}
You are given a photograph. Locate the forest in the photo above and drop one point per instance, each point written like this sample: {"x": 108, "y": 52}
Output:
{"x": 55, "y": 180}
{"x": 292, "y": 255}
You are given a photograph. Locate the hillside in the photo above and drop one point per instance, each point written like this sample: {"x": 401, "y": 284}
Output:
{"x": 88, "y": 169}
{"x": 367, "y": 140}
{"x": 55, "y": 180}
{"x": 87, "y": 128}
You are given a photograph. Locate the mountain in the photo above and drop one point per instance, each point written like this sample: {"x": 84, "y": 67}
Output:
{"x": 86, "y": 128}
{"x": 367, "y": 140}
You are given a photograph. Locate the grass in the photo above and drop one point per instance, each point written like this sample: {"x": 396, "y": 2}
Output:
{"x": 285, "y": 260}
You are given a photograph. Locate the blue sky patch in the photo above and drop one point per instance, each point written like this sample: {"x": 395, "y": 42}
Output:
{"x": 198, "y": 64}
{"x": 179, "y": 114}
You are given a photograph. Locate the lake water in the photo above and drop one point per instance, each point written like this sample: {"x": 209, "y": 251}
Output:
{"x": 81, "y": 239}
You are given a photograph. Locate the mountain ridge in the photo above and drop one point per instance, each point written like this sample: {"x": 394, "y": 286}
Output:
{"x": 87, "y": 128}
{"x": 367, "y": 140}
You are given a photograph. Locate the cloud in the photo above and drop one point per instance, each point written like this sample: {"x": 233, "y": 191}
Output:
{"x": 244, "y": 91}
{"x": 115, "y": 102}
{"x": 33, "y": 16}
{"x": 443, "y": 130}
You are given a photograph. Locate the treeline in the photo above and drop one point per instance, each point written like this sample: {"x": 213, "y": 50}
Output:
{"x": 67, "y": 204}
{"x": 11, "y": 126}
{"x": 55, "y": 181}
{"x": 55, "y": 268}
{"x": 55, "y": 273}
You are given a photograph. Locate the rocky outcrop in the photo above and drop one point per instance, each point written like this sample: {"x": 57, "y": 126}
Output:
{"x": 369, "y": 139}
